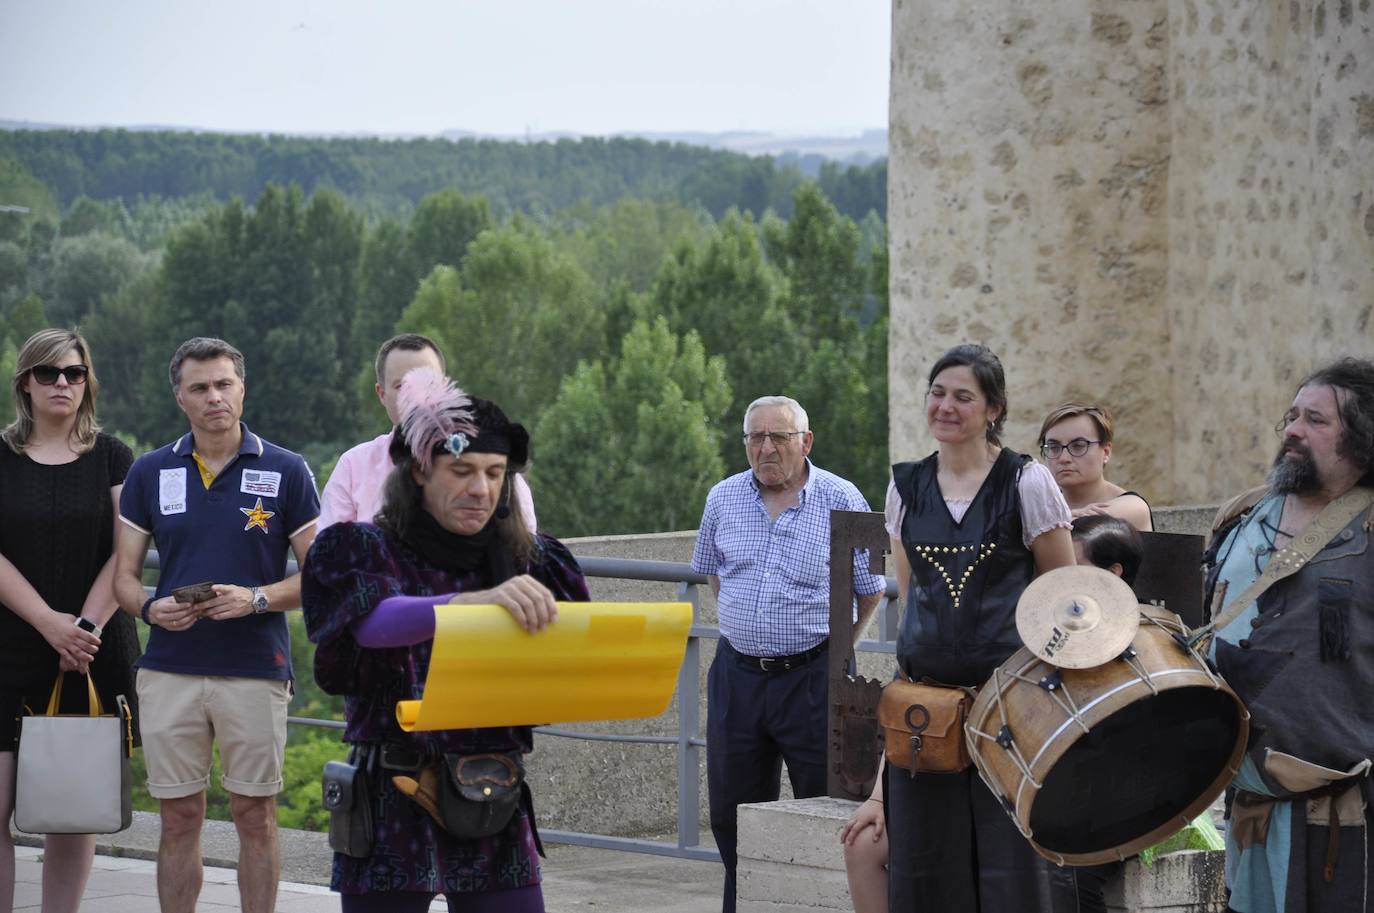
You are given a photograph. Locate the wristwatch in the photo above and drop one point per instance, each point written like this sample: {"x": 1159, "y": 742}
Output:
{"x": 259, "y": 600}
{"x": 86, "y": 624}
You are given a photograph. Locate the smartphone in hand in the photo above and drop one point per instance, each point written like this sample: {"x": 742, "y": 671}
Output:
{"x": 194, "y": 592}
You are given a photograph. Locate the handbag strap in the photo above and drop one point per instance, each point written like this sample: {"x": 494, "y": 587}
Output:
{"x": 93, "y": 707}
{"x": 127, "y": 716}
{"x": 1287, "y": 561}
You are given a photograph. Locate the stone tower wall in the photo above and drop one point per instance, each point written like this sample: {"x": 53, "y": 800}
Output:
{"x": 1271, "y": 220}
{"x": 1163, "y": 205}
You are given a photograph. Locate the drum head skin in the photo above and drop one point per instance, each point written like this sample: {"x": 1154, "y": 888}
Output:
{"x": 1077, "y": 617}
{"x": 1142, "y": 769}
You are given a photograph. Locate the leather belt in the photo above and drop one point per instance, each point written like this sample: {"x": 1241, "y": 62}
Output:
{"x": 782, "y": 663}
{"x": 401, "y": 758}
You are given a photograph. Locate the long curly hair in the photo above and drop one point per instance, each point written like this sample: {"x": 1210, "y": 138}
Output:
{"x": 436, "y": 418}
{"x": 1353, "y": 377}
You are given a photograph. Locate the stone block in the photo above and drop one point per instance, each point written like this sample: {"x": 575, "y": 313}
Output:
{"x": 1192, "y": 881}
{"x": 791, "y": 887}
{"x": 1194, "y": 520}
{"x": 790, "y": 858}
{"x": 790, "y": 862}
{"x": 801, "y": 832}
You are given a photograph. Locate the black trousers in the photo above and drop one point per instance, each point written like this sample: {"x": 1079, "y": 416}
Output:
{"x": 754, "y": 721}
{"x": 951, "y": 847}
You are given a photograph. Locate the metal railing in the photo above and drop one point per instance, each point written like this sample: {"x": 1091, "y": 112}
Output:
{"x": 688, "y": 744}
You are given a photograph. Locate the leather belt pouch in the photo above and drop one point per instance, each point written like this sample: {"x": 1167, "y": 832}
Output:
{"x": 347, "y": 794}
{"x": 478, "y": 794}
{"x": 923, "y": 727}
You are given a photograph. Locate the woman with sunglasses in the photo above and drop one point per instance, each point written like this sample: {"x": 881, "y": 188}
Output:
{"x": 60, "y": 478}
{"x": 1076, "y": 441}
{"x": 971, "y": 526}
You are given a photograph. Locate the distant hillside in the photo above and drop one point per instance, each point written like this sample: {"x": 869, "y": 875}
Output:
{"x": 394, "y": 174}
{"x": 844, "y": 147}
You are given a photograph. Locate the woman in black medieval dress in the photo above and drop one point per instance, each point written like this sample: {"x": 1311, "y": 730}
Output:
{"x": 971, "y": 525}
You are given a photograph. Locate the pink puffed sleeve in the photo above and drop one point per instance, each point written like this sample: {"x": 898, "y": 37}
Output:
{"x": 893, "y": 511}
{"x": 1043, "y": 507}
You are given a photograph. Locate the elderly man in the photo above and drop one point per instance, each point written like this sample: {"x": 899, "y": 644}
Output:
{"x": 223, "y": 506}
{"x": 765, "y": 542}
{"x": 1293, "y": 583}
{"x": 354, "y": 490}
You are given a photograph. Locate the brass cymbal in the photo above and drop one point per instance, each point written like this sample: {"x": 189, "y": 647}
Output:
{"x": 1077, "y": 617}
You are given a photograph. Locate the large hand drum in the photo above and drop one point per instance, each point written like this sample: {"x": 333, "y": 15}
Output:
{"x": 1096, "y": 764}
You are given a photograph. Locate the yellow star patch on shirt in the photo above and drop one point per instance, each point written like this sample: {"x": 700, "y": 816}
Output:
{"x": 256, "y": 516}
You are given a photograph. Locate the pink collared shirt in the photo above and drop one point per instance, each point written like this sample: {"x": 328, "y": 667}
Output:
{"x": 354, "y": 489}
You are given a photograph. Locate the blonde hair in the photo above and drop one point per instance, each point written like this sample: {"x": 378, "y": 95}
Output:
{"x": 44, "y": 348}
{"x": 1100, "y": 415}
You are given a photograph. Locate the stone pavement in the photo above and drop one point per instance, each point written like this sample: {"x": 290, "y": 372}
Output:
{"x": 575, "y": 879}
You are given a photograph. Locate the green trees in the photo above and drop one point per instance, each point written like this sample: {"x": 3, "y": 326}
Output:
{"x": 514, "y": 322}
{"x": 628, "y": 333}
{"x": 393, "y": 176}
{"x": 20, "y": 190}
{"x": 636, "y": 437}
{"x": 613, "y": 329}
{"x": 87, "y": 268}
{"x": 280, "y": 282}
{"x": 790, "y": 306}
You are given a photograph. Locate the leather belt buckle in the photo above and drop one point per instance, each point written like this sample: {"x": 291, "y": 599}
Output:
{"x": 787, "y": 663}
{"x": 399, "y": 757}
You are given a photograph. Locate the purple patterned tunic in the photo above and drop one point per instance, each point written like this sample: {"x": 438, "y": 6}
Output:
{"x": 350, "y": 569}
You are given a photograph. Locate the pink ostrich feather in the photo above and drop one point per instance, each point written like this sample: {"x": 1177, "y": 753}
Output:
{"x": 432, "y": 408}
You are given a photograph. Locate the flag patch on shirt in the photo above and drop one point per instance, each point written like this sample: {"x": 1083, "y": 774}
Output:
{"x": 260, "y": 482}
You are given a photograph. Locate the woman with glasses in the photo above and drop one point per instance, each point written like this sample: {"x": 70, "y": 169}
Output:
{"x": 1076, "y": 441}
{"x": 60, "y": 478}
{"x": 971, "y": 525}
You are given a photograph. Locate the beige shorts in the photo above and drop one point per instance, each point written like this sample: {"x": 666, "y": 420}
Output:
{"x": 181, "y": 716}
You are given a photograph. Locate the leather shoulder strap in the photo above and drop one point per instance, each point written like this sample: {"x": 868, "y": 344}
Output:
{"x": 1237, "y": 506}
{"x": 1285, "y": 562}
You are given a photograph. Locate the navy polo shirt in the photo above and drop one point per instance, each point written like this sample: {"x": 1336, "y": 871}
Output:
{"x": 237, "y": 531}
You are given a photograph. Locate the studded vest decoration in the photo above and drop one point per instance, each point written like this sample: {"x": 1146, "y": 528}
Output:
{"x": 960, "y": 617}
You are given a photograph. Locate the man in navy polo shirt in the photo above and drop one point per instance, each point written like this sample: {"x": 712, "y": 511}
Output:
{"x": 765, "y": 543}
{"x": 223, "y": 506}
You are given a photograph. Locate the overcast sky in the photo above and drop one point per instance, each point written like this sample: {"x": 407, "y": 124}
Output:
{"x": 423, "y": 66}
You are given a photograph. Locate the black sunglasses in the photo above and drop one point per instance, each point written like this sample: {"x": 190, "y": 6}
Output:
{"x": 47, "y": 374}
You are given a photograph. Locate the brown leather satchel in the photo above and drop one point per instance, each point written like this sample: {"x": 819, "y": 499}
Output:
{"x": 923, "y": 726}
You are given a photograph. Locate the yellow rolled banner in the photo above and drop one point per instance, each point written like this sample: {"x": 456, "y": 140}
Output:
{"x": 597, "y": 661}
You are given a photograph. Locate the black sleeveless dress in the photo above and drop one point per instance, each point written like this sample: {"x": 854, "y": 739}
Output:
{"x": 951, "y": 846}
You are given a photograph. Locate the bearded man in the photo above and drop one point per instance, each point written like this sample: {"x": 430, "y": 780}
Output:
{"x": 1301, "y": 655}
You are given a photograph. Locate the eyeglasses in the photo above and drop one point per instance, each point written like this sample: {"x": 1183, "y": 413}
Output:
{"x": 779, "y": 438}
{"x": 47, "y": 374}
{"x": 1076, "y": 447}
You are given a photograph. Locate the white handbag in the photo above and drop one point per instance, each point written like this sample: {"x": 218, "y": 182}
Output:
{"x": 73, "y": 770}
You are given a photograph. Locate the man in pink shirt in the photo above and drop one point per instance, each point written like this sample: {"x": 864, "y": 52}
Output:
{"x": 354, "y": 489}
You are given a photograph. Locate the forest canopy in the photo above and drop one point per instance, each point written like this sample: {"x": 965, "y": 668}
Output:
{"x": 624, "y": 300}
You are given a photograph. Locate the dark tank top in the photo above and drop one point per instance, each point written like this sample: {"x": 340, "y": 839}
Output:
{"x": 966, "y": 576}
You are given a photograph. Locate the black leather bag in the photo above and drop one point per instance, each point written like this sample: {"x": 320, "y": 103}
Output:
{"x": 478, "y": 793}
{"x": 347, "y": 793}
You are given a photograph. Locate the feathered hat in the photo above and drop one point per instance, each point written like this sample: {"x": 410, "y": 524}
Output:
{"x": 438, "y": 417}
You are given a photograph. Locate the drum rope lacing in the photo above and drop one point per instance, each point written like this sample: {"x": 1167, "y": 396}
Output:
{"x": 1059, "y": 692}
